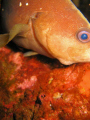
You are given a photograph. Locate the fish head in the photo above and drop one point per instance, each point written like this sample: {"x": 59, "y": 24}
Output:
{"x": 57, "y": 28}
{"x": 65, "y": 33}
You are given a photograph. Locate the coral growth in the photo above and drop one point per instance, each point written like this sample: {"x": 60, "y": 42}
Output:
{"x": 37, "y": 88}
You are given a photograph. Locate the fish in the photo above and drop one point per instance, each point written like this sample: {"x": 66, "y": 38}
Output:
{"x": 53, "y": 28}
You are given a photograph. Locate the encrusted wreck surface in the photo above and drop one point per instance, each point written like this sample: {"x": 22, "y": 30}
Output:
{"x": 38, "y": 88}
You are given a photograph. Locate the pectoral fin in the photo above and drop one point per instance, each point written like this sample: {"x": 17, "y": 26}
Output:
{"x": 18, "y": 29}
{"x": 30, "y": 53}
{"x": 4, "y": 39}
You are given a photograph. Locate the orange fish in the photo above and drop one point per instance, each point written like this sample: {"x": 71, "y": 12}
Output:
{"x": 54, "y": 28}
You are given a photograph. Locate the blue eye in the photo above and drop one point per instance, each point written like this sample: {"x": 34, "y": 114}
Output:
{"x": 83, "y": 36}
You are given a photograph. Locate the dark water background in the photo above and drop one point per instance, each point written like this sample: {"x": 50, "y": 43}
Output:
{"x": 84, "y": 6}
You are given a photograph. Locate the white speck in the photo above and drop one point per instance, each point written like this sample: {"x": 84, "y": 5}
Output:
{"x": 26, "y": 4}
{"x": 50, "y": 105}
{"x": 57, "y": 95}
{"x": 40, "y": 8}
{"x": 20, "y": 4}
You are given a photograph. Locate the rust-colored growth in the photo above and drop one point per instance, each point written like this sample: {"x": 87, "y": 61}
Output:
{"x": 32, "y": 89}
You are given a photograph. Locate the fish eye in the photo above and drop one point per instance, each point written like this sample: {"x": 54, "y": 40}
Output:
{"x": 83, "y": 36}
